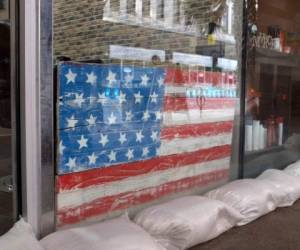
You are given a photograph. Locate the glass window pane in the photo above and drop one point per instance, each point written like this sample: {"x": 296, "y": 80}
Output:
{"x": 149, "y": 94}
{"x": 6, "y": 194}
{"x": 272, "y": 120}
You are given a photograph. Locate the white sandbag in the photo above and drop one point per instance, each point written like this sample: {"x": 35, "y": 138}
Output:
{"x": 187, "y": 221}
{"x": 287, "y": 185}
{"x": 251, "y": 197}
{"x": 293, "y": 169}
{"x": 20, "y": 237}
{"x": 116, "y": 234}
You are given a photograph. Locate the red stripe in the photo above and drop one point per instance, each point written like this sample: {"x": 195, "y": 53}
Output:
{"x": 179, "y": 77}
{"x": 108, "y": 204}
{"x": 182, "y": 103}
{"x": 196, "y": 130}
{"x": 119, "y": 172}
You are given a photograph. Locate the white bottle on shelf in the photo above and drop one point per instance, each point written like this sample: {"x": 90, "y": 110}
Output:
{"x": 280, "y": 133}
{"x": 265, "y": 137}
{"x": 261, "y": 136}
{"x": 256, "y": 134}
{"x": 249, "y": 138}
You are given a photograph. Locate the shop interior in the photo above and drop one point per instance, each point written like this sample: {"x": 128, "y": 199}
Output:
{"x": 273, "y": 86}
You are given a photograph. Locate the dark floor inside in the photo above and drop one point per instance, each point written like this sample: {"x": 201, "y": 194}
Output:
{"x": 279, "y": 230}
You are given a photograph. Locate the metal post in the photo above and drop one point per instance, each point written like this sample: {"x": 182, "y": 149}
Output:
{"x": 37, "y": 140}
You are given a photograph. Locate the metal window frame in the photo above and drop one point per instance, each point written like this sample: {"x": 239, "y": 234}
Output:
{"x": 237, "y": 160}
{"x": 36, "y": 112}
{"x": 243, "y": 91}
{"x": 15, "y": 96}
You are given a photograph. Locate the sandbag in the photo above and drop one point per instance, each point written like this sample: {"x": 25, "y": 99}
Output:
{"x": 285, "y": 184}
{"x": 293, "y": 169}
{"x": 187, "y": 221}
{"x": 20, "y": 237}
{"x": 116, "y": 234}
{"x": 251, "y": 197}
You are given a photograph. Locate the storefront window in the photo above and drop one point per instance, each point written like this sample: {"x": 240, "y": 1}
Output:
{"x": 147, "y": 96}
{"x": 6, "y": 128}
{"x": 272, "y": 103}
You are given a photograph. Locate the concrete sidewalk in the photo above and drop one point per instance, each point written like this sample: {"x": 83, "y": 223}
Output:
{"x": 279, "y": 230}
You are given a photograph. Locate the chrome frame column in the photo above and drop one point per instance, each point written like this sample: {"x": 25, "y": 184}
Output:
{"x": 37, "y": 124}
{"x": 47, "y": 118}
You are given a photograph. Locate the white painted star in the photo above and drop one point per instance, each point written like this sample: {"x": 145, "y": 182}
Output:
{"x": 111, "y": 78}
{"x": 122, "y": 138}
{"x": 145, "y": 80}
{"x": 103, "y": 140}
{"x": 61, "y": 148}
{"x": 154, "y": 136}
{"x": 82, "y": 142}
{"x": 70, "y": 77}
{"x": 112, "y": 156}
{"x": 129, "y": 116}
{"x": 79, "y": 99}
{"x": 146, "y": 116}
{"x": 72, "y": 122}
{"x": 92, "y": 159}
{"x": 91, "y": 120}
{"x": 128, "y": 78}
{"x": 130, "y": 154}
{"x": 91, "y": 78}
{"x": 145, "y": 152}
{"x": 158, "y": 115}
{"x": 138, "y": 97}
{"x": 102, "y": 98}
{"x": 122, "y": 97}
{"x": 160, "y": 82}
{"x": 154, "y": 97}
{"x": 112, "y": 119}
{"x": 71, "y": 163}
{"x": 139, "y": 136}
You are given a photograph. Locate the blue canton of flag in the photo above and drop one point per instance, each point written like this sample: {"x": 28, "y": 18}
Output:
{"x": 107, "y": 115}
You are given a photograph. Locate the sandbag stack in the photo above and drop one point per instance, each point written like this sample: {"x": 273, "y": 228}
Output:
{"x": 187, "y": 221}
{"x": 175, "y": 225}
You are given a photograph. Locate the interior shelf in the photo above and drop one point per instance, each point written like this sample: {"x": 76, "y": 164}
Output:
{"x": 264, "y": 151}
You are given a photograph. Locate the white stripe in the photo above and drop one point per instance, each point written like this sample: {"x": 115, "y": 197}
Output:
{"x": 196, "y": 116}
{"x": 191, "y": 144}
{"x": 86, "y": 195}
{"x": 181, "y": 89}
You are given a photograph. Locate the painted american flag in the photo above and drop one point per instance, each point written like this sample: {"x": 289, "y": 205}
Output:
{"x": 128, "y": 135}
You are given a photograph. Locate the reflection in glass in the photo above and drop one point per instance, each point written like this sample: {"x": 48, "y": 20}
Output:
{"x": 6, "y": 216}
{"x": 272, "y": 121}
{"x": 195, "y": 46}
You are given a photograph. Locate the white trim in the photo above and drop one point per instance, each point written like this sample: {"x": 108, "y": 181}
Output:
{"x": 139, "y": 8}
{"x": 169, "y": 12}
{"x": 230, "y": 16}
{"x": 153, "y": 20}
{"x": 153, "y": 9}
{"x": 123, "y": 7}
{"x": 192, "y": 59}
{"x": 182, "y": 13}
